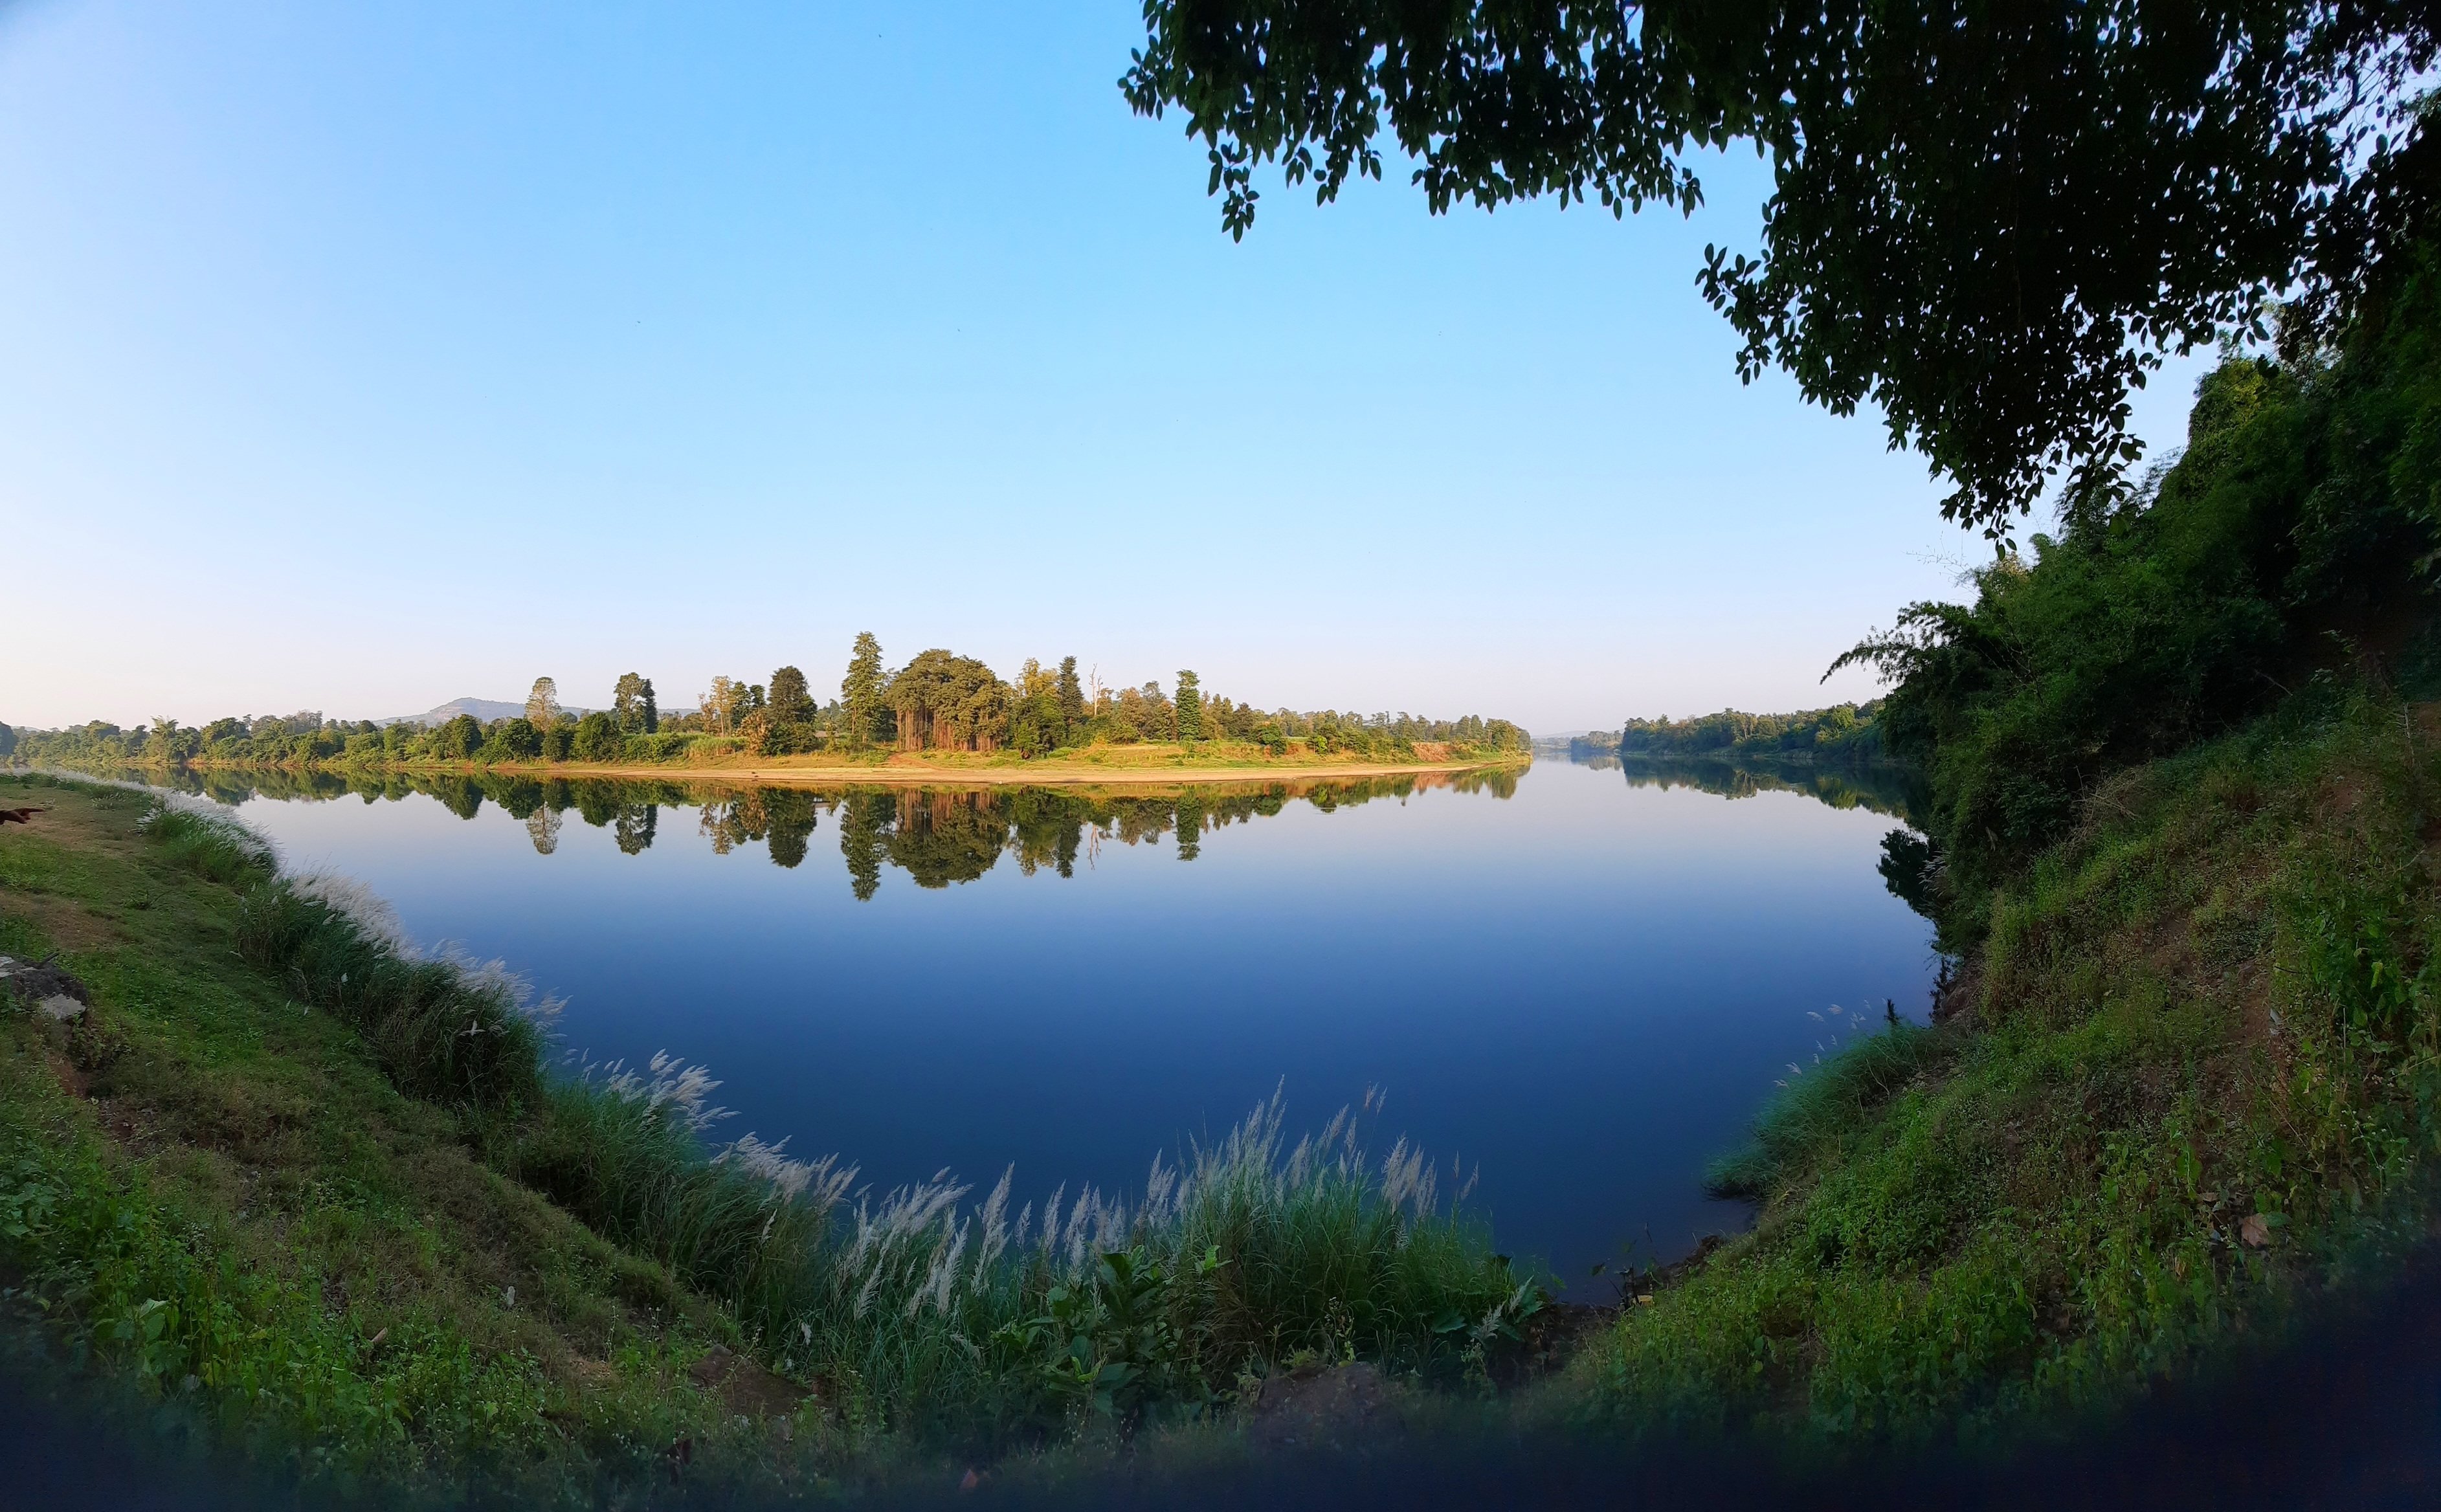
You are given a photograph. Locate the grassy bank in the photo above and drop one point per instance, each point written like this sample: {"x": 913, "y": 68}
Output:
{"x": 2191, "y": 1075}
{"x": 2175, "y": 835}
{"x": 289, "y": 1175}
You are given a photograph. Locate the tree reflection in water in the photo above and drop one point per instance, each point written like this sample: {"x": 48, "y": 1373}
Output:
{"x": 937, "y": 836}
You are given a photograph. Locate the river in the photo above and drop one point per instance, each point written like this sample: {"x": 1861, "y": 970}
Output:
{"x": 1575, "y": 980}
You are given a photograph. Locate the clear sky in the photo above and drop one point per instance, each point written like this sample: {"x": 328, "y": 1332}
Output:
{"x": 358, "y": 357}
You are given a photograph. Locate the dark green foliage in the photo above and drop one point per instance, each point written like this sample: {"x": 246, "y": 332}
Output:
{"x": 790, "y": 815}
{"x": 1190, "y": 707}
{"x": 460, "y": 738}
{"x": 1035, "y": 726}
{"x": 2297, "y": 534}
{"x": 1071, "y": 695}
{"x": 632, "y": 705}
{"x": 864, "y": 818}
{"x": 860, "y": 699}
{"x": 634, "y": 1168}
{"x": 597, "y": 738}
{"x": 215, "y": 851}
{"x": 634, "y": 827}
{"x": 790, "y": 701}
{"x": 1919, "y": 259}
{"x": 1846, "y": 734}
{"x": 511, "y": 740}
{"x": 948, "y": 702}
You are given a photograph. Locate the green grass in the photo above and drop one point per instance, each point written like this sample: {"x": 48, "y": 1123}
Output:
{"x": 301, "y": 1179}
{"x": 2196, "y": 1070}
{"x": 222, "y": 1203}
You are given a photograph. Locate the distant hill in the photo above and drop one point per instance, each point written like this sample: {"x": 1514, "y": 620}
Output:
{"x": 485, "y": 709}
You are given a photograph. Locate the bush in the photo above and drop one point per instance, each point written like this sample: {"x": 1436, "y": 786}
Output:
{"x": 597, "y": 739}
{"x": 512, "y": 740}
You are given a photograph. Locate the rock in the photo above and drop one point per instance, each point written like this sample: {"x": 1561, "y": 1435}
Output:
{"x": 45, "y": 986}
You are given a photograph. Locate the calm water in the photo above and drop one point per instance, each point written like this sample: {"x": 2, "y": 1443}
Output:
{"x": 1583, "y": 985}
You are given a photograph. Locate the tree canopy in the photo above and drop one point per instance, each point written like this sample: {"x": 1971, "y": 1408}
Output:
{"x": 1991, "y": 220}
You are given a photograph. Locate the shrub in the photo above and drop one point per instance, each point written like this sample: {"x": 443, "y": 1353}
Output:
{"x": 513, "y": 740}
{"x": 458, "y": 739}
{"x": 597, "y": 739}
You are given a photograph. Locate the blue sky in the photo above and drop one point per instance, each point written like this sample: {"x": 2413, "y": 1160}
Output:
{"x": 357, "y": 357}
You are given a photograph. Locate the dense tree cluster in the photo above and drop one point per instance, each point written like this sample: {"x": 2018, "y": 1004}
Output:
{"x": 1850, "y": 734}
{"x": 937, "y": 701}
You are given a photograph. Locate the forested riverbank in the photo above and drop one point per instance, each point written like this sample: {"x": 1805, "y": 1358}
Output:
{"x": 941, "y": 713}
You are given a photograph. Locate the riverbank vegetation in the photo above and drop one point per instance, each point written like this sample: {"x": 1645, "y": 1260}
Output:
{"x": 944, "y": 707}
{"x": 2181, "y": 762}
{"x": 1844, "y": 734}
{"x": 335, "y": 1198}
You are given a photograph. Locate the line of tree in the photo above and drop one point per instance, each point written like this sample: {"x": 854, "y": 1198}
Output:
{"x": 630, "y": 730}
{"x": 1847, "y": 733}
{"x": 938, "y": 701}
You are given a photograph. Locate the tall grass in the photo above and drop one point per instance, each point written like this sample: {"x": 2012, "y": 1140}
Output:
{"x": 440, "y": 1027}
{"x": 916, "y": 1308}
{"x": 210, "y": 845}
{"x": 1819, "y": 1108}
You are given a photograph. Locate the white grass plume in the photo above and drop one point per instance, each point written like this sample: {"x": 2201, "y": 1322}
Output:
{"x": 372, "y": 916}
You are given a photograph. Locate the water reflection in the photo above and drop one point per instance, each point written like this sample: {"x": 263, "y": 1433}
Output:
{"x": 937, "y": 836}
{"x": 1896, "y": 791}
